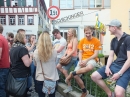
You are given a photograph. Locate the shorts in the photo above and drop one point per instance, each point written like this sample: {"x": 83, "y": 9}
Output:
{"x": 71, "y": 63}
{"x": 123, "y": 80}
{"x": 90, "y": 62}
{"x": 57, "y": 61}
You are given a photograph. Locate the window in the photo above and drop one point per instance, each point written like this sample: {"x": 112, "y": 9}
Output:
{"x": 11, "y": 20}
{"x": 21, "y": 2}
{"x": 66, "y": 4}
{"x": 34, "y": 3}
{"x": 40, "y": 21}
{"x": 29, "y": 2}
{"x": 1, "y": 2}
{"x": 30, "y": 20}
{"x": 21, "y": 20}
{"x": 3, "y": 20}
{"x": 95, "y": 3}
{"x": 14, "y": 3}
{"x": 8, "y": 2}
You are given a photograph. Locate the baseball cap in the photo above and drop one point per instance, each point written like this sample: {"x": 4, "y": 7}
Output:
{"x": 114, "y": 22}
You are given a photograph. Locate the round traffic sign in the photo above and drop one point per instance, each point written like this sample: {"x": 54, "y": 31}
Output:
{"x": 53, "y": 12}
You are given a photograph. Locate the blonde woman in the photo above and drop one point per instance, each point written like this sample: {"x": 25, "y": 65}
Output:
{"x": 70, "y": 51}
{"x": 47, "y": 55}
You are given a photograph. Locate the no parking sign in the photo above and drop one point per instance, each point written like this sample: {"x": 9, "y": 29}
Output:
{"x": 53, "y": 12}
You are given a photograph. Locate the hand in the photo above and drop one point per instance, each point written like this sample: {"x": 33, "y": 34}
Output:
{"x": 31, "y": 54}
{"x": 83, "y": 63}
{"x": 63, "y": 57}
{"x": 115, "y": 76}
{"x": 34, "y": 42}
{"x": 108, "y": 71}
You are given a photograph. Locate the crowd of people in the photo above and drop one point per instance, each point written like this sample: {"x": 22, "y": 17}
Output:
{"x": 40, "y": 60}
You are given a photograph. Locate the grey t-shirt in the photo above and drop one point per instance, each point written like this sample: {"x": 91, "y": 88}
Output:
{"x": 125, "y": 46}
{"x": 57, "y": 43}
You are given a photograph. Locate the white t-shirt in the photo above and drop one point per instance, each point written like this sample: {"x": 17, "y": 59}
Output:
{"x": 57, "y": 43}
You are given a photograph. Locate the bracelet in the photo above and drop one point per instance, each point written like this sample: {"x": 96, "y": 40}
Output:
{"x": 74, "y": 73}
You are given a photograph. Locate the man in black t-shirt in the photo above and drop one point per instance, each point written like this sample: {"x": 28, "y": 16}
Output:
{"x": 120, "y": 68}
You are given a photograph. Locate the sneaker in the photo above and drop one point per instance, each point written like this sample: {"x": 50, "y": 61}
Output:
{"x": 68, "y": 89}
{"x": 84, "y": 94}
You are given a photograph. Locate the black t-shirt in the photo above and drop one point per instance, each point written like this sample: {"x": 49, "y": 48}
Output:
{"x": 18, "y": 69}
{"x": 125, "y": 46}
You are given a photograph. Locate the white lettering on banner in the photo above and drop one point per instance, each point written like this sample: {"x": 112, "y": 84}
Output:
{"x": 64, "y": 19}
{"x": 25, "y": 30}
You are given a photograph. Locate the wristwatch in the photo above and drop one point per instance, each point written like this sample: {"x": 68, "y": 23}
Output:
{"x": 120, "y": 74}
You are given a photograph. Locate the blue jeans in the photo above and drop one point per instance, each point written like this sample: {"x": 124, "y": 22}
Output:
{"x": 3, "y": 78}
{"x": 39, "y": 85}
{"x": 33, "y": 70}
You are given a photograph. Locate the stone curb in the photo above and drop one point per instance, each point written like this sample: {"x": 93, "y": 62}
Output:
{"x": 62, "y": 86}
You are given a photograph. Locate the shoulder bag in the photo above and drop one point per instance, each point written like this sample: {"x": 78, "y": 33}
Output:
{"x": 48, "y": 84}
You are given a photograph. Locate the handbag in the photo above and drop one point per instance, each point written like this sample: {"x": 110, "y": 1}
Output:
{"x": 48, "y": 84}
{"x": 16, "y": 87}
{"x": 65, "y": 61}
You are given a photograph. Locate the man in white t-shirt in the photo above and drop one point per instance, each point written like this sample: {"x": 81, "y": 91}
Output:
{"x": 59, "y": 44}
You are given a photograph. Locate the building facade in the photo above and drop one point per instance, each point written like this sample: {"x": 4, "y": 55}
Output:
{"x": 80, "y": 13}
{"x": 26, "y": 14}
{"x": 121, "y": 11}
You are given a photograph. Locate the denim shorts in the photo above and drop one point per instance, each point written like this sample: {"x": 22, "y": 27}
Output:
{"x": 123, "y": 80}
{"x": 57, "y": 61}
{"x": 71, "y": 63}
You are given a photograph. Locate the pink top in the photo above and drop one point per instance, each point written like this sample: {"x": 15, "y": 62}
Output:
{"x": 70, "y": 48}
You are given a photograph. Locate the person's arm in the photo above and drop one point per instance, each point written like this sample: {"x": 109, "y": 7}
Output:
{"x": 74, "y": 44}
{"x": 30, "y": 48}
{"x": 80, "y": 55}
{"x": 0, "y": 53}
{"x": 110, "y": 59}
{"x": 127, "y": 63}
{"x": 62, "y": 46}
{"x": 93, "y": 56}
{"x": 26, "y": 60}
{"x": 60, "y": 49}
{"x": 0, "y": 49}
{"x": 23, "y": 54}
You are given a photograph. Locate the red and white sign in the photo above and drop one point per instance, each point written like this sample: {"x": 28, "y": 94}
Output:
{"x": 53, "y": 12}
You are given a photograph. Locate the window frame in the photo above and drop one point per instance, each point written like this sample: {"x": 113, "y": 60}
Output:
{"x": 32, "y": 18}
{"x": 29, "y": 5}
{"x": 1, "y": 18}
{"x": 23, "y": 19}
{"x": 66, "y": 8}
{"x": 14, "y": 19}
{"x": 95, "y": 5}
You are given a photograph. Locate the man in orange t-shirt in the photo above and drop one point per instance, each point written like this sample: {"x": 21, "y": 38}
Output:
{"x": 88, "y": 52}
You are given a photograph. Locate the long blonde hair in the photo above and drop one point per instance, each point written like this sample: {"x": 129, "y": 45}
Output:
{"x": 74, "y": 34}
{"x": 44, "y": 46}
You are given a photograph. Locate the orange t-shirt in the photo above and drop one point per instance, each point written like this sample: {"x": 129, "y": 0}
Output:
{"x": 89, "y": 46}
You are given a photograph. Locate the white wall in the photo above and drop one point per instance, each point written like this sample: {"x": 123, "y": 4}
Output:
{"x": 87, "y": 19}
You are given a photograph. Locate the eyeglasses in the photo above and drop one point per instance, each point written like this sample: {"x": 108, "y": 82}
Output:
{"x": 55, "y": 34}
